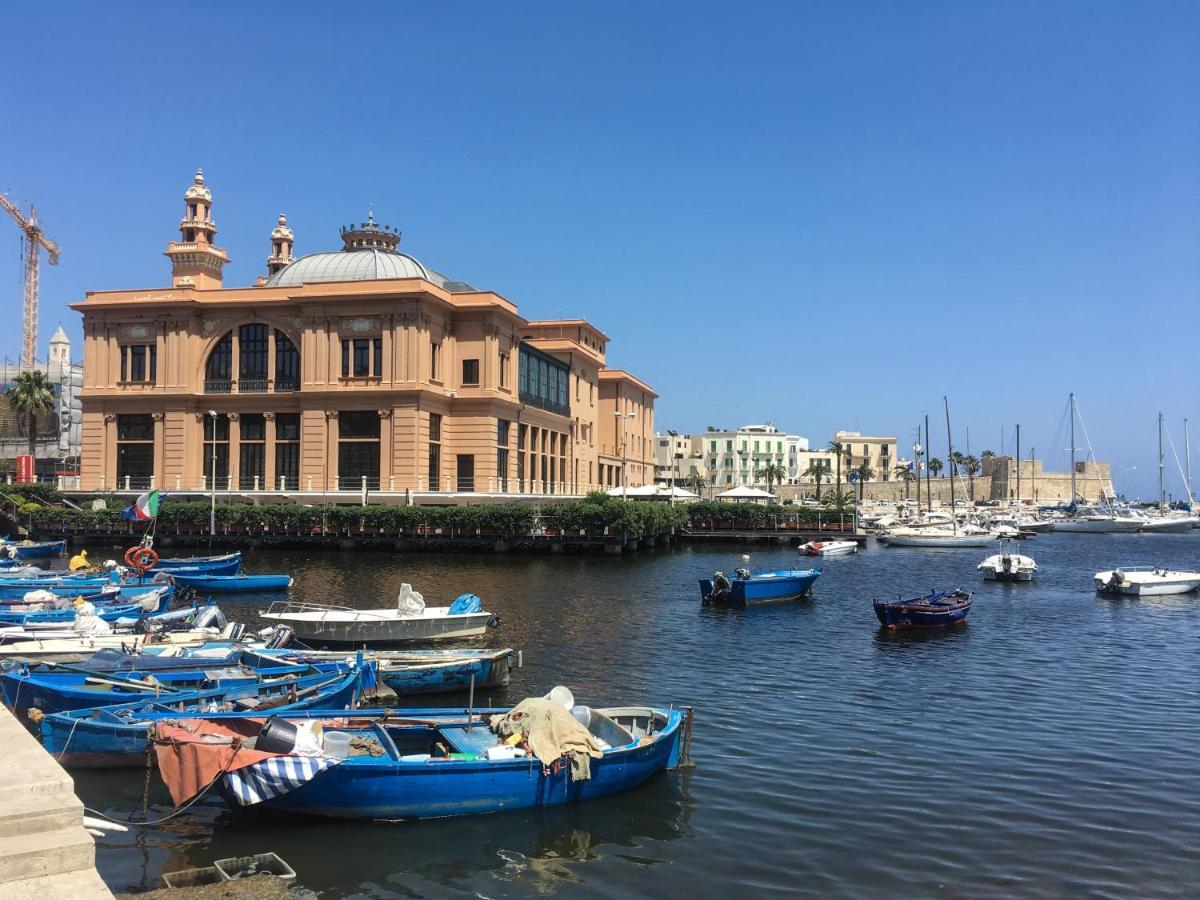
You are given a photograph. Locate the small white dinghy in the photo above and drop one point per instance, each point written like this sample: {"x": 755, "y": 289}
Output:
{"x": 828, "y": 548}
{"x": 1146, "y": 581}
{"x": 1008, "y": 566}
{"x": 409, "y": 620}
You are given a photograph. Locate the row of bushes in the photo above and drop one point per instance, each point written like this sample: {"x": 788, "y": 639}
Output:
{"x": 753, "y": 515}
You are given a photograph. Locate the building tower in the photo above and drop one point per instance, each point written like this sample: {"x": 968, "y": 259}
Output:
{"x": 60, "y": 349}
{"x": 195, "y": 261}
{"x": 282, "y": 243}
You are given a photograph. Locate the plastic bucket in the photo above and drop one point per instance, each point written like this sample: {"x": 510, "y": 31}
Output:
{"x": 336, "y": 744}
{"x": 277, "y": 736}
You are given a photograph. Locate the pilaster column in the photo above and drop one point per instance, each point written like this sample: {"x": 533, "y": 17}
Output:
{"x": 270, "y": 482}
{"x": 385, "y": 448}
{"x": 331, "y": 448}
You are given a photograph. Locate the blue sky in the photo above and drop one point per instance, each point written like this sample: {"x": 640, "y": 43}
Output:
{"x": 825, "y": 215}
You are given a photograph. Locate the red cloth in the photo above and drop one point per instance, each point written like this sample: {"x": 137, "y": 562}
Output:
{"x": 188, "y": 765}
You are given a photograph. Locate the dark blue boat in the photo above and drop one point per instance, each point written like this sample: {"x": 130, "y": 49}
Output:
{"x": 435, "y": 765}
{"x": 35, "y": 549}
{"x": 113, "y": 736}
{"x": 934, "y": 610}
{"x": 226, "y": 564}
{"x": 208, "y": 583}
{"x": 126, "y": 602}
{"x": 746, "y": 588}
{"x": 418, "y": 671}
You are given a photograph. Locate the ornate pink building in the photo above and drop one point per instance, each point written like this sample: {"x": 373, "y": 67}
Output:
{"x": 359, "y": 366}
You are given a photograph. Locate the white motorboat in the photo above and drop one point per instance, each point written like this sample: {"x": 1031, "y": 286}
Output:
{"x": 828, "y": 548}
{"x": 1098, "y": 521}
{"x": 1008, "y": 566}
{"x": 409, "y": 620}
{"x": 1146, "y": 581}
{"x": 969, "y": 536}
{"x": 64, "y": 643}
{"x": 1168, "y": 524}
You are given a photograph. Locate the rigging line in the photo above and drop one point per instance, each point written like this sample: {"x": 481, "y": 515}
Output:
{"x": 1091, "y": 453}
{"x": 1187, "y": 487}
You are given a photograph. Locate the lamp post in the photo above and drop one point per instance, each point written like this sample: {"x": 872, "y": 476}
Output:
{"x": 212, "y": 507}
{"x": 624, "y": 454}
{"x": 674, "y": 456}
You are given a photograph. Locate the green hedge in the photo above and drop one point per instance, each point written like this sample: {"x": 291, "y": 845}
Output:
{"x": 755, "y": 515}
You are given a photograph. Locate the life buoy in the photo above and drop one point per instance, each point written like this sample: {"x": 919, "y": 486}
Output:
{"x": 141, "y": 558}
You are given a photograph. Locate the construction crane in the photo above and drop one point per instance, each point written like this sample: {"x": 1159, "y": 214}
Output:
{"x": 34, "y": 241}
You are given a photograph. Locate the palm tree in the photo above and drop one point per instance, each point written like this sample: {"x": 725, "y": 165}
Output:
{"x": 970, "y": 465}
{"x": 817, "y": 473}
{"x": 31, "y": 394}
{"x": 956, "y": 460}
{"x": 695, "y": 482}
{"x": 905, "y": 474}
{"x": 987, "y": 454}
{"x": 935, "y": 466}
{"x": 837, "y": 448}
{"x": 863, "y": 473}
{"x": 772, "y": 472}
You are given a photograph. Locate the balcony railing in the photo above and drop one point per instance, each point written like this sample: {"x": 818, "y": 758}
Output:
{"x": 218, "y": 386}
{"x": 287, "y": 384}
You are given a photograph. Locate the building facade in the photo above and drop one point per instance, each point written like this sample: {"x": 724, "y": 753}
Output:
{"x": 59, "y": 433}
{"x": 879, "y": 453}
{"x": 351, "y": 370}
{"x": 740, "y": 457}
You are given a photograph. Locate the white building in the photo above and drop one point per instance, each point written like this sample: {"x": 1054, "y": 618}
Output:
{"x": 739, "y": 457}
{"x": 59, "y": 434}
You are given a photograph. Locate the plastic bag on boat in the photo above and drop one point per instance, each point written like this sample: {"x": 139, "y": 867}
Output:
{"x": 87, "y": 622}
{"x": 464, "y": 604}
{"x": 410, "y": 602}
{"x": 149, "y": 602}
{"x": 41, "y": 599}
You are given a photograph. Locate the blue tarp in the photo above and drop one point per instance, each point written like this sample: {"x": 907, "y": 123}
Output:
{"x": 466, "y": 603}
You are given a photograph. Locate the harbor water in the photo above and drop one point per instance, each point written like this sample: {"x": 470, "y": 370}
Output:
{"x": 1046, "y": 749}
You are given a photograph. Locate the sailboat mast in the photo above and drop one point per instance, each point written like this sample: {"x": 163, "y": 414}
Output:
{"x": 950, "y": 453}
{"x": 1072, "y": 399}
{"x": 928, "y": 487}
{"x": 1162, "y": 493}
{"x": 917, "y": 463}
{"x": 1187, "y": 456}
{"x": 1018, "y": 457}
{"x": 1033, "y": 473}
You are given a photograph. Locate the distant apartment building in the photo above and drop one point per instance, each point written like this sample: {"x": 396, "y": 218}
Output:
{"x": 879, "y": 453}
{"x": 735, "y": 457}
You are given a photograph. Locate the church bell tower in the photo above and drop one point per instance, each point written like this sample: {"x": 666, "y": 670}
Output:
{"x": 195, "y": 261}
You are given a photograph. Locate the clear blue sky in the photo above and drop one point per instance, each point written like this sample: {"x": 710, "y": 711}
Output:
{"x": 826, "y": 215}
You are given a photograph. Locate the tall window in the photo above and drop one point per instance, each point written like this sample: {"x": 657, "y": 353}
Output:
{"x": 287, "y": 450}
{"x": 503, "y": 369}
{"x": 287, "y": 363}
{"x": 435, "y": 451}
{"x": 253, "y": 354}
{"x": 358, "y": 449}
{"x": 135, "y": 450}
{"x": 542, "y": 381}
{"x": 219, "y": 369}
{"x": 252, "y": 452}
{"x": 362, "y": 357}
{"x": 139, "y": 363}
{"x": 465, "y": 472}
{"x": 216, "y": 437}
{"x": 502, "y": 430}
{"x": 435, "y": 353}
{"x": 521, "y": 457}
{"x": 470, "y": 371}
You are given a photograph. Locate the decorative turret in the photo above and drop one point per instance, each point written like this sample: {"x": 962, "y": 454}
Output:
{"x": 370, "y": 235}
{"x": 195, "y": 261}
{"x": 282, "y": 243}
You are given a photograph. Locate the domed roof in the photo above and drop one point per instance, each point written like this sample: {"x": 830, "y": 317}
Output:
{"x": 197, "y": 189}
{"x": 365, "y": 264}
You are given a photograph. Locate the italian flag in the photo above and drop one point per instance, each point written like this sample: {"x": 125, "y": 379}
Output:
{"x": 145, "y": 507}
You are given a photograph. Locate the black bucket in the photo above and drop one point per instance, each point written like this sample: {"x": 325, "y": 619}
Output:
{"x": 277, "y": 736}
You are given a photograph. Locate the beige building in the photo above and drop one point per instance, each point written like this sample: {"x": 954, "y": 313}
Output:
{"x": 359, "y": 368}
{"x": 1093, "y": 481}
{"x": 877, "y": 452}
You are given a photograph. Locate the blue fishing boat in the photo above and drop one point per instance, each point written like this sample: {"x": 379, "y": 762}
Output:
{"x": 114, "y": 736}
{"x": 226, "y": 564}
{"x": 110, "y": 606}
{"x": 56, "y": 688}
{"x": 935, "y": 610}
{"x": 746, "y": 588}
{"x": 34, "y": 549}
{"x": 208, "y": 583}
{"x": 418, "y": 671}
{"x": 429, "y": 764}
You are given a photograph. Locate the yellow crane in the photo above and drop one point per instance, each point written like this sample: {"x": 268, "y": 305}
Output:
{"x": 34, "y": 241}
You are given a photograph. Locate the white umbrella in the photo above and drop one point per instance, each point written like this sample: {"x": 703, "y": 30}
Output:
{"x": 743, "y": 492}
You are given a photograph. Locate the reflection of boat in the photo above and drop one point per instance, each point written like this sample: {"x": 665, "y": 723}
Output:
{"x": 409, "y": 620}
{"x": 1008, "y": 566}
{"x": 206, "y": 582}
{"x": 759, "y": 587}
{"x": 1146, "y": 581}
{"x": 828, "y": 548}
{"x": 114, "y": 736}
{"x": 936, "y": 610}
{"x": 430, "y": 764}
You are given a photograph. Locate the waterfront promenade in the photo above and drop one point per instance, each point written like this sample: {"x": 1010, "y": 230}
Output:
{"x": 45, "y": 853}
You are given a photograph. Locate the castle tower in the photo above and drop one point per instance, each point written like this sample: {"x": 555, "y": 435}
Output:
{"x": 195, "y": 261}
{"x": 60, "y": 349}
{"x": 282, "y": 243}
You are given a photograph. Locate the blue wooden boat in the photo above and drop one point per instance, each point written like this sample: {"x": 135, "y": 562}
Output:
{"x": 746, "y": 588}
{"x": 935, "y": 610}
{"x": 35, "y": 549}
{"x": 58, "y": 688}
{"x": 435, "y": 765}
{"x": 226, "y": 564}
{"x": 111, "y": 605}
{"x": 418, "y": 671}
{"x": 208, "y": 583}
{"x": 115, "y": 736}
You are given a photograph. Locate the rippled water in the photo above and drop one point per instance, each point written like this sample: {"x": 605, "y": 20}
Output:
{"x": 1046, "y": 749}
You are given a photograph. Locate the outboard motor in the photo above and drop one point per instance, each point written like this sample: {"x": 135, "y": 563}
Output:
{"x": 209, "y": 617}
{"x": 720, "y": 586}
{"x": 281, "y": 638}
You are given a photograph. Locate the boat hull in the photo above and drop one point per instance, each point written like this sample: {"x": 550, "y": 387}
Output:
{"x": 911, "y": 614}
{"x": 39, "y": 550}
{"x": 761, "y": 589}
{"x": 935, "y": 541}
{"x": 388, "y": 631}
{"x": 208, "y": 582}
{"x": 990, "y": 574}
{"x": 227, "y": 564}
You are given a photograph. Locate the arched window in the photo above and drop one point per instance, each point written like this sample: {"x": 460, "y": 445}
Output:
{"x": 218, "y": 371}
{"x": 287, "y": 363}
{"x": 253, "y": 358}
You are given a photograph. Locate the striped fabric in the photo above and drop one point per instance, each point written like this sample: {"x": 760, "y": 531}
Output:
{"x": 274, "y": 777}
